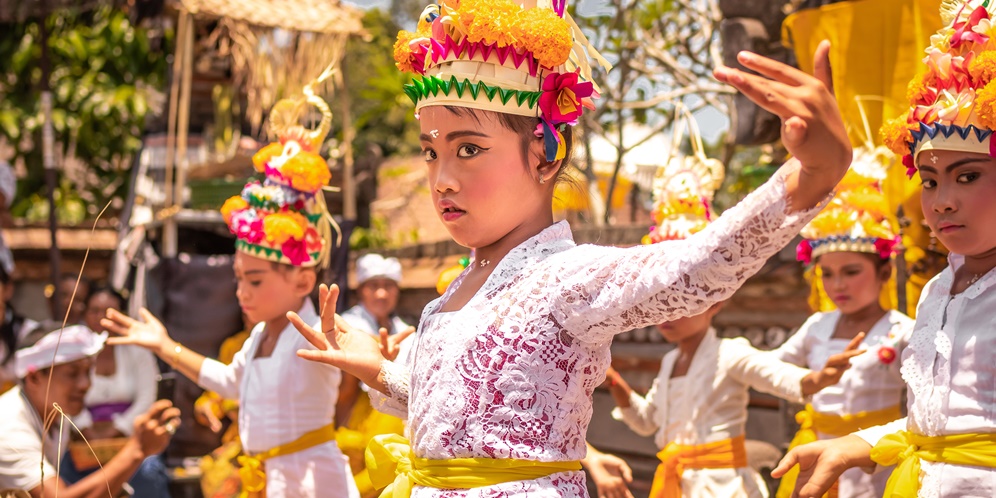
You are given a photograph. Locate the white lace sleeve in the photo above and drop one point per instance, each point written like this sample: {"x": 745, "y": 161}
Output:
{"x": 397, "y": 378}
{"x": 623, "y": 289}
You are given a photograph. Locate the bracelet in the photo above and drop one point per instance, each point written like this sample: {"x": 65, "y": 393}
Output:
{"x": 176, "y": 354}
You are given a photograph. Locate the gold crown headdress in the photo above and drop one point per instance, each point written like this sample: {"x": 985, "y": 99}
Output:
{"x": 856, "y": 220}
{"x": 498, "y": 55}
{"x": 284, "y": 218}
{"x": 683, "y": 188}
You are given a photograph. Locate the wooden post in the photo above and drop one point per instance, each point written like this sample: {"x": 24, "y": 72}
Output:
{"x": 174, "y": 189}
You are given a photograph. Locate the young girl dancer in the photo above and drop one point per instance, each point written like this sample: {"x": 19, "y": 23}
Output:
{"x": 697, "y": 405}
{"x": 946, "y": 446}
{"x": 851, "y": 243}
{"x": 497, "y": 388}
{"x": 286, "y": 405}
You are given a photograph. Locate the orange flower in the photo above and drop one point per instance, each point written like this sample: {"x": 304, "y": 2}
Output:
{"x": 283, "y": 226}
{"x": 983, "y": 68}
{"x": 263, "y": 156}
{"x": 895, "y": 134}
{"x": 306, "y": 171}
{"x": 232, "y": 204}
{"x": 489, "y": 21}
{"x": 985, "y": 105}
{"x": 545, "y": 35}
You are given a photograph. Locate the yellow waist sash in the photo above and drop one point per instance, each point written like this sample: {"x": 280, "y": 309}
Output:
{"x": 392, "y": 466}
{"x": 810, "y": 422}
{"x": 907, "y": 449}
{"x": 675, "y": 458}
{"x": 251, "y": 472}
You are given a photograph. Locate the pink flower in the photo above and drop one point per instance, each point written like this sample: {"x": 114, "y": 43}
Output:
{"x": 887, "y": 354}
{"x": 910, "y": 165}
{"x": 295, "y": 251}
{"x": 561, "y": 101}
{"x": 963, "y": 30}
{"x": 884, "y": 247}
{"x": 804, "y": 252}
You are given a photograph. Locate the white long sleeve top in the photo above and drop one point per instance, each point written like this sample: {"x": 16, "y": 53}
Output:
{"x": 133, "y": 383}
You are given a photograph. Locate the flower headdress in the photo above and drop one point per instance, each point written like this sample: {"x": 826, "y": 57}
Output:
{"x": 498, "y": 55}
{"x": 953, "y": 103}
{"x": 284, "y": 218}
{"x": 856, "y": 219}
{"x": 684, "y": 187}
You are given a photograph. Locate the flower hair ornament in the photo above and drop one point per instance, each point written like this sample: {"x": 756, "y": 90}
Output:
{"x": 856, "y": 220}
{"x": 284, "y": 218}
{"x": 528, "y": 59}
{"x": 684, "y": 187}
{"x": 952, "y": 103}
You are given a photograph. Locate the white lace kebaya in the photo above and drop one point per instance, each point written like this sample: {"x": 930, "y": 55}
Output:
{"x": 511, "y": 374}
{"x": 950, "y": 370}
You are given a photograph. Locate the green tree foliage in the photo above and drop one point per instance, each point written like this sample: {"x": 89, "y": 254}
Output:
{"x": 107, "y": 75}
{"x": 382, "y": 113}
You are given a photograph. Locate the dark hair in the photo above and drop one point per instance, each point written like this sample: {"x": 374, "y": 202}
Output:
{"x": 525, "y": 127}
{"x": 105, "y": 289}
{"x": 10, "y": 322}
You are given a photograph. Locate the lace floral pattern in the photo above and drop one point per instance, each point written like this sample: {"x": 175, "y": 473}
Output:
{"x": 512, "y": 373}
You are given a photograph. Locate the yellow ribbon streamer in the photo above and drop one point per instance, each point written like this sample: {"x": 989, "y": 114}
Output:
{"x": 675, "y": 458}
{"x": 907, "y": 449}
{"x": 252, "y": 472}
{"x": 392, "y": 466}
{"x": 810, "y": 422}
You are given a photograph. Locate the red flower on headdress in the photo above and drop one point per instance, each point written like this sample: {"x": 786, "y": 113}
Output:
{"x": 804, "y": 252}
{"x": 562, "y": 98}
{"x": 884, "y": 247}
{"x": 963, "y": 29}
{"x": 295, "y": 251}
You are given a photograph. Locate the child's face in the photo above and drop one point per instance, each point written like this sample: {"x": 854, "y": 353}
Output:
{"x": 480, "y": 186}
{"x": 683, "y": 328}
{"x": 851, "y": 280}
{"x": 959, "y": 199}
{"x": 265, "y": 291}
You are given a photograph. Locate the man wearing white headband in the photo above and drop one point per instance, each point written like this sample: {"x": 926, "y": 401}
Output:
{"x": 29, "y": 453}
{"x": 378, "y": 291}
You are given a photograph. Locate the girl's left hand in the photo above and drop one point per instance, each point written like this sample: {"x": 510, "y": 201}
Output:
{"x": 812, "y": 128}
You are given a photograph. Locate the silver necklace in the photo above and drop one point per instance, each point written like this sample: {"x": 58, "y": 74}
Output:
{"x": 484, "y": 262}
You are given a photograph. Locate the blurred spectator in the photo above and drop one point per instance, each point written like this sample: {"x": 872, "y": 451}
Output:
{"x": 34, "y": 438}
{"x": 378, "y": 293}
{"x": 13, "y": 329}
{"x": 59, "y": 303}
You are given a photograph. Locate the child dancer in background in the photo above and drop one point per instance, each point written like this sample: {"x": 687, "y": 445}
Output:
{"x": 946, "y": 446}
{"x": 697, "y": 405}
{"x": 851, "y": 243}
{"x": 286, "y": 405}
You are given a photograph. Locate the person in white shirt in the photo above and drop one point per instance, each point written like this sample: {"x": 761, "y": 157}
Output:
{"x": 54, "y": 372}
{"x": 850, "y": 245}
{"x": 286, "y": 404}
{"x": 946, "y": 445}
{"x": 378, "y": 289}
{"x": 697, "y": 405}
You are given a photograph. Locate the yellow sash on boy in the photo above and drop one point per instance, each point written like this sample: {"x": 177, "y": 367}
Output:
{"x": 252, "y": 474}
{"x": 811, "y": 421}
{"x": 392, "y": 466}
{"x": 675, "y": 458}
{"x": 977, "y": 450}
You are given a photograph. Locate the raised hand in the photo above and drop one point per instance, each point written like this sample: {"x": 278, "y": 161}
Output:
{"x": 834, "y": 368}
{"x": 611, "y": 475}
{"x": 154, "y": 428}
{"x": 822, "y": 462}
{"x": 812, "y": 128}
{"x": 338, "y": 344}
{"x": 390, "y": 345}
{"x": 149, "y": 334}
{"x": 839, "y": 363}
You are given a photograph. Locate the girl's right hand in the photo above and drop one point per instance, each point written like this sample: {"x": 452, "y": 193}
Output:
{"x": 340, "y": 345}
{"x": 822, "y": 462}
{"x": 149, "y": 334}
